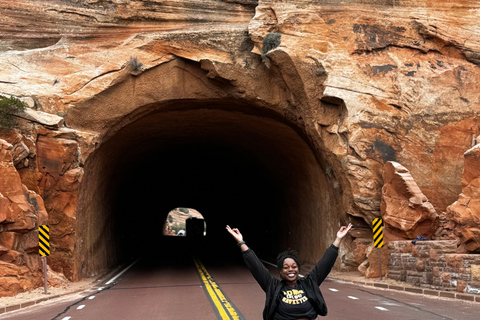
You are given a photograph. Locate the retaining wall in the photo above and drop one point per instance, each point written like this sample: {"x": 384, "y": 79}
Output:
{"x": 435, "y": 265}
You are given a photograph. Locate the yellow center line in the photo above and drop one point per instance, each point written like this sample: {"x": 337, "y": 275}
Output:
{"x": 216, "y": 294}
{"x": 219, "y": 293}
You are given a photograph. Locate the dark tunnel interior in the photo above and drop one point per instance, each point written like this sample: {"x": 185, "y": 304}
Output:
{"x": 225, "y": 186}
{"x": 250, "y": 171}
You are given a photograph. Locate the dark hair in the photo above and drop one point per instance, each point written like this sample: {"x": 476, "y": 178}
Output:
{"x": 284, "y": 255}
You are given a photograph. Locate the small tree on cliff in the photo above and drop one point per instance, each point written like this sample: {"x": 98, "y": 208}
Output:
{"x": 8, "y": 108}
{"x": 271, "y": 41}
{"x": 135, "y": 66}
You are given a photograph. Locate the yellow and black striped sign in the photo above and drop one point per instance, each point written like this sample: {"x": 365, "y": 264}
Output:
{"x": 377, "y": 232}
{"x": 44, "y": 240}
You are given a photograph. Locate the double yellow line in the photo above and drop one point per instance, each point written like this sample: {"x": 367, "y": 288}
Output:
{"x": 225, "y": 309}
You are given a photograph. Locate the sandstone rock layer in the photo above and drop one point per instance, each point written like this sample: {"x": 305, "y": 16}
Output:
{"x": 21, "y": 211}
{"x": 406, "y": 211}
{"x": 465, "y": 212}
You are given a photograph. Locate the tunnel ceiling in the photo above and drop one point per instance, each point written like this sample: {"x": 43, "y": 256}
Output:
{"x": 243, "y": 169}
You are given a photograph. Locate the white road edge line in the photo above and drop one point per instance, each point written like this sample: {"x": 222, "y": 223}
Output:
{"x": 270, "y": 264}
{"x": 92, "y": 297}
{"x": 381, "y": 308}
{"x": 81, "y": 307}
{"x": 66, "y": 318}
{"x": 122, "y": 272}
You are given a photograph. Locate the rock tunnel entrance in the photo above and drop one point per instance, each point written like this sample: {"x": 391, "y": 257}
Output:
{"x": 251, "y": 171}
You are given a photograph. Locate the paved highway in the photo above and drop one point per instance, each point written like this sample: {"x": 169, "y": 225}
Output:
{"x": 184, "y": 288}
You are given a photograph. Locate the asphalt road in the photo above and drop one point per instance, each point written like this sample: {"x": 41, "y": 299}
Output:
{"x": 184, "y": 289}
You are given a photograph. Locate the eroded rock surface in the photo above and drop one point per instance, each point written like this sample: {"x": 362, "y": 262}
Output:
{"x": 465, "y": 212}
{"x": 40, "y": 174}
{"x": 21, "y": 211}
{"x": 406, "y": 211}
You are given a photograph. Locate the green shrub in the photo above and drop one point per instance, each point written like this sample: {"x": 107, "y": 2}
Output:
{"x": 271, "y": 41}
{"x": 135, "y": 65}
{"x": 8, "y": 107}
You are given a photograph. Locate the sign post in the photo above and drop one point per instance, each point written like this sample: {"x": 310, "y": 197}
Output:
{"x": 378, "y": 240}
{"x": 44, "y": 250}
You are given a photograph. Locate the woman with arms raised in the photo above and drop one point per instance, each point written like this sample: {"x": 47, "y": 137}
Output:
{"x": 291, "y": 298}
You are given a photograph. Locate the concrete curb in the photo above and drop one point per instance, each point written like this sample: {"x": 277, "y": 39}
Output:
{"x": 416, "y": 290}
{"x": 30, "y": 303}
{"x": 33, "y": 302}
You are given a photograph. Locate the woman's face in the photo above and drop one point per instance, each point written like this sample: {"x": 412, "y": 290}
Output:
{"x": 289, "y": 271}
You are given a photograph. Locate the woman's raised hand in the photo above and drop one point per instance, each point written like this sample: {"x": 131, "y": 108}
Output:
{"x": 343, "y": 231}
{"x": 235, "y": 233}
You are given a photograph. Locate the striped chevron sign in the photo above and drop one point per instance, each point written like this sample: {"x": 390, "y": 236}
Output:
{"x": 44, "y": 240}
{"x": 377, "y": 232}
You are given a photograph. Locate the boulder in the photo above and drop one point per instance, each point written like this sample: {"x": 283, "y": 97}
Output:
{"x": 55, "y": 155}
{"x": 360, "y": 248}
{"x": 365, "y": 233}
{"x": 405, "y": 210}
{"x": 363, "y": 267}
{"x": 16, "y": 212}
{"x": 15, "y": 279}
{"x": 43, "y": 118}
{"x": 465, "y": 212}
{"x": 373, "y": 270}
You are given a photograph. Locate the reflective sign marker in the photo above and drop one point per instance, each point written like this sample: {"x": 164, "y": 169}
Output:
{"x": 44, "y": 240}
{"x": 377, "y": 232}
{"x": 378, "y": 240}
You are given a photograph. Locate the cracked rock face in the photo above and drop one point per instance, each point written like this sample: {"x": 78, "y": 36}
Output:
{"x": 465, "y": 212}
{"x": 349, "y": 86}
{"x": 20, "y": 211}
{"x": 406, "y": 211}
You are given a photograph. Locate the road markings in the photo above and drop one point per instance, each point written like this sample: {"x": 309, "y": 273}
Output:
{"x": 81, "y": 307}
{"x": 67, "y": 318}
{"x": 387, "y": 303}
{"x": 224, "y": 308}
{"x": 122, "y": 272}
{"x": 333, "y": 289}
{"x": 91, "y": 298}
{"x": 269, "y": 263}
{"x": 381, "y": 308}
{"x": 352, "y": 297}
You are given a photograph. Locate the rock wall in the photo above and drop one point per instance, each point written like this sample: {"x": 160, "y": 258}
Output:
{"x": 434, "y": 264}
{"x": 40, "y": 172}
{"x": 21, "y": 211}
{"x": 387, "y": 69}
{"x": 464, "y": 214}
{"x": 407, "y": 213}
{"x": 367, "y": 82}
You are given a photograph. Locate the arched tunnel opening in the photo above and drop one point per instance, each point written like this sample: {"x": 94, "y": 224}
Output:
{"x": 218, "y": 181}
{"x": 252, "y": 170}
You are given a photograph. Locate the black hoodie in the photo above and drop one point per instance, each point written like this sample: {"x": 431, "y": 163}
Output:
{"x": 310, "y": 283}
